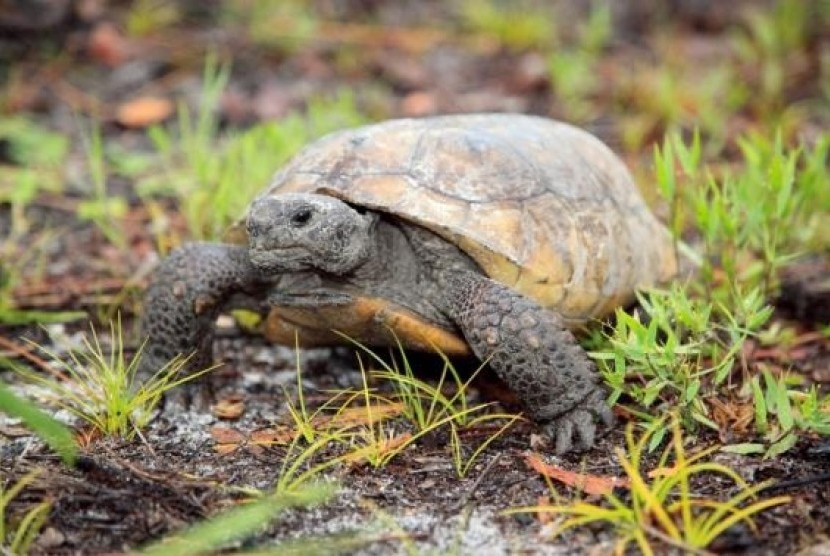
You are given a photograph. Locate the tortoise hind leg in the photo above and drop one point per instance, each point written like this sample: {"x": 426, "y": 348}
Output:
{"x": 531, "y": 350}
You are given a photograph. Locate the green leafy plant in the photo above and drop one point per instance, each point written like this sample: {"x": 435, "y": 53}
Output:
{"x": 100, "y": 387}
{"x": 743, "y": 217}
{"x": 670, "y": 95}
{"x": 660, "y": 511}
{"x": 17, "y": 534}
{"x": 679, "y": 353}
{"x": 783, "y": 410}
{"x": 682, "y": 350}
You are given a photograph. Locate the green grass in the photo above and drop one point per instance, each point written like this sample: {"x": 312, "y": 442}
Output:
{"x": 214, "y": 177}
{"x": 573, "y": 67}
{"x": 99, "y": 386}
{"x": 770, "y": 43}
{"x": 285, "y": 26}
{"x": 684, "y": 348}
{"x": 661, "y": 511}
{"x": 18, "y": 533}
{"x": 516, "y": 26}
{"x": 362, "y": 426}
{"x": 37, "y": 154}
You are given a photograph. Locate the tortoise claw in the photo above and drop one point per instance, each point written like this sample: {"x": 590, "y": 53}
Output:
{"x": 580, "y": 424}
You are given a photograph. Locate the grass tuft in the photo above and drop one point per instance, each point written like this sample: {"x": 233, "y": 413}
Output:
{"x": 18, "y": 533}
{"x": 660, "y": 511}
{"x": 100, "y": 387}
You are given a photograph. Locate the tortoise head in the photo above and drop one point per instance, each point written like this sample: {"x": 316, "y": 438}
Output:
{"x": 305, "y": 231}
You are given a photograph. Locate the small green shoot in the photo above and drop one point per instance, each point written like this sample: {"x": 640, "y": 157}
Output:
{"x": 782, "y": 411}
{"x": 572, "y": 68}
{"x": 463, "y": 464}
{"x": 104, "y": 210}
{"x": 100, "y": 387}
{"x": 31, "y": 145}
{"x": 769, "y": 44}
{"x": 18, "y": 534}
{"x": 660, "y": 511}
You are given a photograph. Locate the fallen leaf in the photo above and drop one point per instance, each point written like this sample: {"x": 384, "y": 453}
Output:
{"x": 269, "y": 437}
{"x": 225, "y": 449}
{"x": 358, "y": 416}
{"x": 419, "y": 103}
{"x": 107, "y": 45}
{"x": 592, "y": 484}
{"x": 226, "y": 435}
{"x": 229, "y": 440}
{"x": 144, "y": 112}
{"x": 230, "y": 408}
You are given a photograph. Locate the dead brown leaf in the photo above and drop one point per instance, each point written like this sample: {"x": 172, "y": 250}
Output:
{"x": 226, "y": 435}
{"x": 144, "y": 112}
{"x": 229, "y": 408}
{"x": 592, "y": 484}
{"x": 107, "y": 45}
{"x": 358, "y": 416}
{"x": 269, "y": 437}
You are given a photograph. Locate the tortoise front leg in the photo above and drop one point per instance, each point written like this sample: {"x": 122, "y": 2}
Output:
{"x": 531, "y": 350}
{"x": 185, "y": 294}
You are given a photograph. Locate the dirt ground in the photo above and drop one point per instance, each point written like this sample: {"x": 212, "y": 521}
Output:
{"x": 67, "y": 61}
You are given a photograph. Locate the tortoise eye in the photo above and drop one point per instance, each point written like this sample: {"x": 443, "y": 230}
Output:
{"x": 253, "y": 230}
{"x": 301, "y": 217}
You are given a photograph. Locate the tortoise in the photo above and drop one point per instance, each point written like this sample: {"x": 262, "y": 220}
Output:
{"x": 490, "y": 234}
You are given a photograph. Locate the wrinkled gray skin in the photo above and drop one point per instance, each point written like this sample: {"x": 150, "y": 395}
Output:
{"x": 312, "y": 250}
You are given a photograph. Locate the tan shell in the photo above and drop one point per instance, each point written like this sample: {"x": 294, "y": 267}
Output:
{"x": 541, "y": 206}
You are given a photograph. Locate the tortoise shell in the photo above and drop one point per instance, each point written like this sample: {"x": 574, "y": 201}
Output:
{"x": 541, "y": 206}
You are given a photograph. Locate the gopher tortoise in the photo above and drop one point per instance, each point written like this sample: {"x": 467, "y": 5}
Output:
{"x": 490, "y": 234}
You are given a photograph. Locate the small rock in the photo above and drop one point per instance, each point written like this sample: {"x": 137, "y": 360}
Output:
{"x": 539, "y": 442}
{"x": 50, "y": 538}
